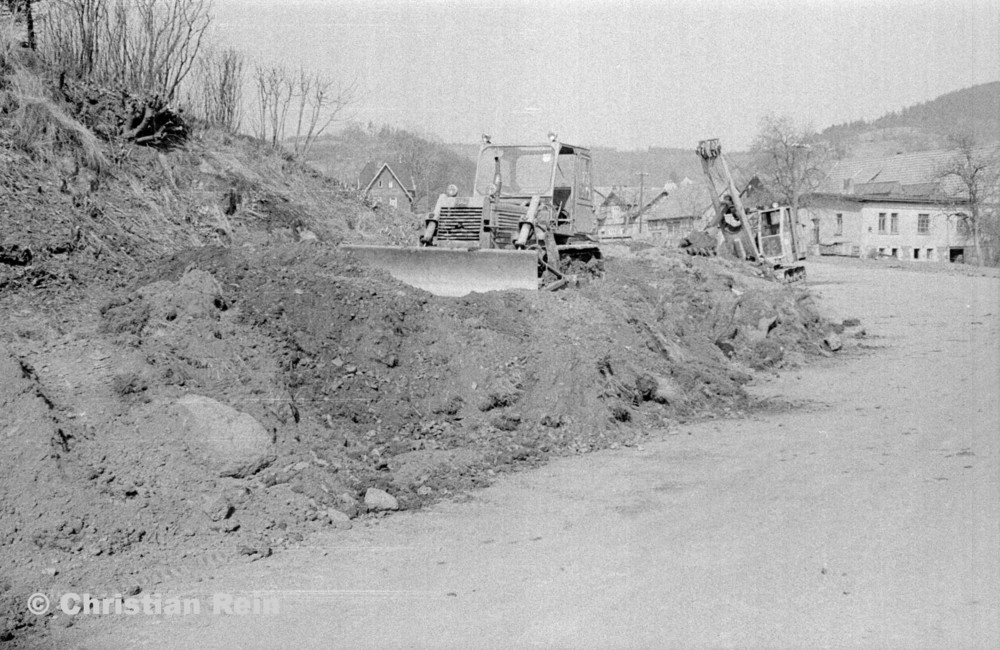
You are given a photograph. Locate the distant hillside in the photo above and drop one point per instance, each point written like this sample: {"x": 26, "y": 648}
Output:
{"x": 925, "y": 126}
{"x": 343, "y": 155}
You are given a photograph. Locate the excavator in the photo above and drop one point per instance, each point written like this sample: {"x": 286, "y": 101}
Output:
{"x": 528, "y": 223}
{"x": 767, "y": 236}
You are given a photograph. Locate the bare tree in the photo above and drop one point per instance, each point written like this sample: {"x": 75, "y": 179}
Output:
{"x": 791, "y": 161}
{"x": 971, "y": 179}
{"x": 303, "y": 90}
{"x": 275, "y": 89}
{"x": 147, "y": 46}
{"x": 418, "y": 154}
{"x": 153, "y": 44}
{"x": 326, "y": 104}
{"x": 70, "y": 35}
{"x": 316, "y": 100}
{"x": 220, "y": 87}
{"x": 23, "y": 11}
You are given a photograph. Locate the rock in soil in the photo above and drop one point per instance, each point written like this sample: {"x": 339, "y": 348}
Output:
{"x": 376, "y": 499}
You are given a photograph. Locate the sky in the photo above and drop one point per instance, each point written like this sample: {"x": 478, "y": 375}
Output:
{"x": 618, "y": 73}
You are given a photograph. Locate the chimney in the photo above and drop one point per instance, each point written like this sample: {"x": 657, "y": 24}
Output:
{"x": 848, "y": 186}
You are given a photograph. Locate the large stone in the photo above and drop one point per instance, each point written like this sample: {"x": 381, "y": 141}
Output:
{"x": 377, "y": 499}
{"x": 764, "y": 326}
{"x": 659, "y": 389}
{"x": 230, "y": 442}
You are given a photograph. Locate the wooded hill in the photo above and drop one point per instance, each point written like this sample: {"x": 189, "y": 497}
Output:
{"x": 974, "y": 110}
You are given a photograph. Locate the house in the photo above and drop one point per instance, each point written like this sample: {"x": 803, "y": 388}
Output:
{"x": 671, "y": 216}
{"x": 894, "y": 206}
{"x": 664, "y": 216}
{"x": 390, "y": 185}
{"x": 617, "y": 207}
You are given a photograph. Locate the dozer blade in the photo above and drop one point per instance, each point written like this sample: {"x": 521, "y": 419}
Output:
{"x": 453, "y": 272}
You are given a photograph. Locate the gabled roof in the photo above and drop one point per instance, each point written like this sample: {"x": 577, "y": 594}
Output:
{"x": 910, "y": 175}
{"x": 372, "y": 170}
{"x": 627, "y": 196}
{"x": 683, "y": 203}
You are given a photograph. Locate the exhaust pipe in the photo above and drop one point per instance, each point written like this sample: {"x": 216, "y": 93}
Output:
{"x": 527, "y": 224}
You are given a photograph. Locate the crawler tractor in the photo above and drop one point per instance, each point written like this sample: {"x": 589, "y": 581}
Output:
{"x": 530, "y": 218}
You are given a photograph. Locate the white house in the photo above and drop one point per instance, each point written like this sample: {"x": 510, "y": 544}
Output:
{"x": 894, "y": 206}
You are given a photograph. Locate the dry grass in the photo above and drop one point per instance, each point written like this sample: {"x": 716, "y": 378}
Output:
{"x": 35, "y": 122}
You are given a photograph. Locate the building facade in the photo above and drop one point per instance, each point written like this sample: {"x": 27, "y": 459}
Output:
{"x": 897, "y": 206}
{"x": 900, "y": 227}
{"x": 388, "y": 185}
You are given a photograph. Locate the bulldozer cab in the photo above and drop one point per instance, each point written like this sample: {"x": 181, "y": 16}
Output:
{"x": 559, "y": 174}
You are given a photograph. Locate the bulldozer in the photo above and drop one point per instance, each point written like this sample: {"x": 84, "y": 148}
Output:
{"x": 766, "y": 236}
{"x": 527, "y": 224}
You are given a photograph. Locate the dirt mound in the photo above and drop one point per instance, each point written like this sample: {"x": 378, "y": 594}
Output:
{"x": 344, "y": 380}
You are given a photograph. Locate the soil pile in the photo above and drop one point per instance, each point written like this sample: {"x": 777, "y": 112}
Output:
{"x": 235, "y": 399}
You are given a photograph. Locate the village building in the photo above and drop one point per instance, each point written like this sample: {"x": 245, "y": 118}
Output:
{"x": 615, "y": 208}
{"x": 671, "y": 216}
{"x": 389, "y": 185}
{"x": 662, "y": 215}
{"x": 897, "y": 206}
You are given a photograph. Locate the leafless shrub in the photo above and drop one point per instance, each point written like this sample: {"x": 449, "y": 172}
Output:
{"x": 219, "y": 88}
{"x": 275, "y": 86}
{"x": 318, "y": 103}
{"x": 322, "y": 102}
{"x": 148, "y": 46}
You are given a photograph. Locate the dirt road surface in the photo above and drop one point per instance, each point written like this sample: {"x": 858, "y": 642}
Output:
{"x": 868, "y": 516}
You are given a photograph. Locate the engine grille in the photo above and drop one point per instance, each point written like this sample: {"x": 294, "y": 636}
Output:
{"x": 460, "y": 223}
{"x": 507, "y": 223}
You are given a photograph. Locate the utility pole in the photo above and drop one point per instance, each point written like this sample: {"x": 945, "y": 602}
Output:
{"x": 642, "y": 177}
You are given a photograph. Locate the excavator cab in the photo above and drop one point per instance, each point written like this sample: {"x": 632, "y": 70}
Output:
{"x": 778, "y": 243}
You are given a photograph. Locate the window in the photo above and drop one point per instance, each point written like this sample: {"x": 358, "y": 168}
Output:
{"x": 895, "y": 223}
{"x": 523, "y": 170}
{"x": 923, "y": 224}
{"x": 585, "y": 179}
{"x": 393, "y": 201}
{"x": 390, "y": 185}
{"x": 840, "y": 224}
{"x": 380, "y": 183}
{"x": 881, "y": 223}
